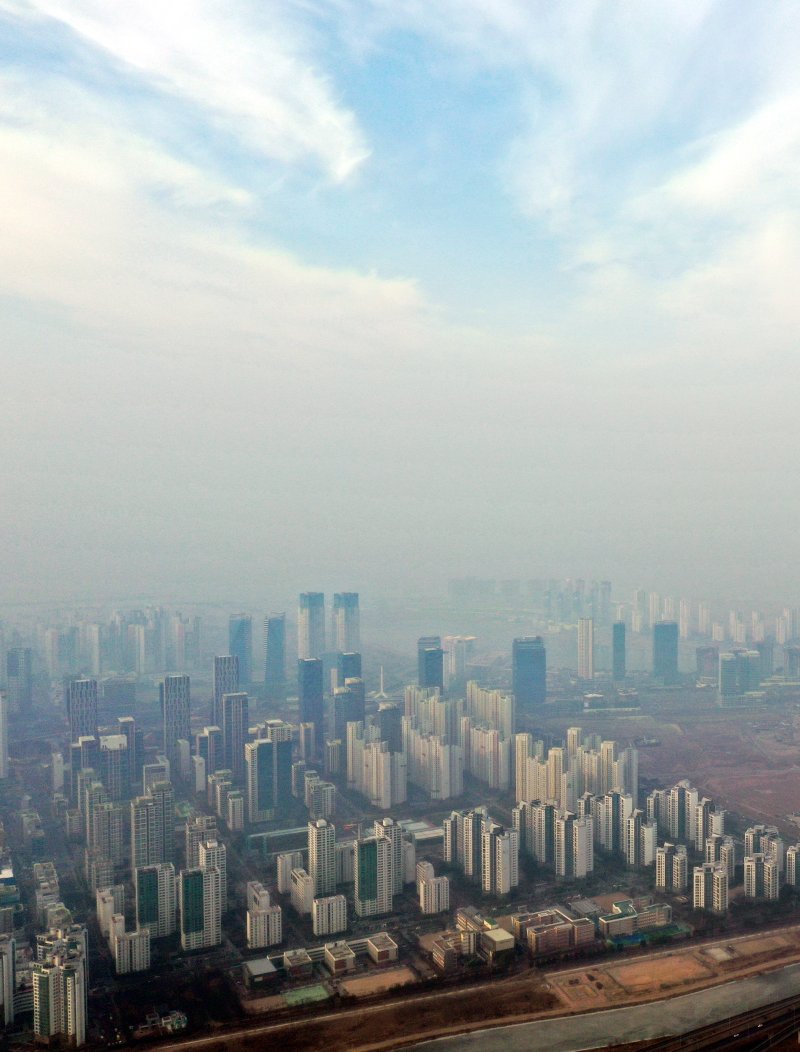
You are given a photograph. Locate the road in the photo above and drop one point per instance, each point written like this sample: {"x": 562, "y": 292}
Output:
{"x": 677, "y": 1015}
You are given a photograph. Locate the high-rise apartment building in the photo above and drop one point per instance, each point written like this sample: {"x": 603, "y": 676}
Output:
{"x": 143, "y": 832}
{"x": 710, "y": 888}
{"x": 240, "y": 646}
{"x": 198, "y": 829}
{"x": 393, "y": 832}
{"x": 59, "y": 997}
{"x": 762, "y": 876}
{"x": 155, "y": 898}
{"x": 200, "y": 908}
{"x": 174, "y": 695}
{"x": 153, "y": 826}
{"x": 264, "y": 921}
{"x": 457, "y": 652}
{"x": 329, "y": 914}
{"x": 529, "y": 672}
{"x": 322, "y": 857}
{"x": 665, "y": 651}
{"x": 310, "y": 694}
{"x": 268, "y": 763}
{"x": 373, "y": 876}
{"x": 311, "y": 625}
{"x": 210, "y": 747}
{"x": 213, "y": 854}
{"x": 82, "y": 708}
{"x": 672, "y": 867}
{"x": 641, "y": 839}
{"x": 586, "y": 648}
{"x": 434, "y": 894}
{"x": 275, "y": 658}
{"x": 574, "y": 847}
{"x": 226, "y": 681}
{"x": 499, "y": 860}
{"x": 346, "y": 622}
{"x": 8, "y": 978}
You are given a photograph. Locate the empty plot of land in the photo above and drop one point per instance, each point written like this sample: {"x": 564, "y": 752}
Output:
{"x": 720, "y": 953}
{"x": 769, "y": 944}
{"x": 376, "y": 983}
{"x": 654, "y": 974}
{"x": 580, "y": 992}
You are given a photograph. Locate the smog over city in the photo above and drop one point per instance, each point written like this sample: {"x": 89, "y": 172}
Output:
{"x": 400, "y": 617}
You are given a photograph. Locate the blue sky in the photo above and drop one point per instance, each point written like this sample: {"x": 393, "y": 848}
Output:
{"x": 261, "y": 261}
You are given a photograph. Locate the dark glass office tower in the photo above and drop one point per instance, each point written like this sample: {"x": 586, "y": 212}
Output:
{"x": 226, "y": 681}
{"x": 235, "y": 724}
{"x": 175, "y": 696}
{"x": 665, "y": 651}
{"x": 240, "y": 645}
{"x": 82, "y": 708}
{"x": 19, "y": 677}
{"x": 275, "y": 658}
{"x": 430, "y": 662}
{"x": 390, "y": 723}
{"x": 348, "y": 666}
{"x": 310, "y": 694}
{"x": 529, "y": 671}
{"x": 618, "y": 651}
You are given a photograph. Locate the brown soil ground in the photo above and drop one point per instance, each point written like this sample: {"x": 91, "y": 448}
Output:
{"x": 377, "y": 982}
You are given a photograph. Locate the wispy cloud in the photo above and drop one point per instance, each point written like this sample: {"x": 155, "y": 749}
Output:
{"x": 248, "y": 70}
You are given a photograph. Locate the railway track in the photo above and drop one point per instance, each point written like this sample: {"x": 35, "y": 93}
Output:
{"x": 778, "y": 1021}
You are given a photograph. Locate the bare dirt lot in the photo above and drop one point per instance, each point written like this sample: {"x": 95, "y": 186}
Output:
{"x": 377, "y": 982}
{"x": 659, "y": 974}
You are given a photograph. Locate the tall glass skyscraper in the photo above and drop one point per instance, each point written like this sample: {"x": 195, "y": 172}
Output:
{"x": 529, "y": 671}
{"x": 311, "y": 625}
{"x": 346, "y": 622}
{"x": 310, "y": 692}
{"x": 240, "y": 645}
{"x": 665, "y": 651}
{"x": 618, "y": 651}
{"x": 430, "y": 662}
{"x": 275, "y": 657}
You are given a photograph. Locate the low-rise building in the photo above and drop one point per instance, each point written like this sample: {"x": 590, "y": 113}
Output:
{"x": 297, "y": 964}
{"x": 339, "y": 958}
{"x": 381, "y": 948}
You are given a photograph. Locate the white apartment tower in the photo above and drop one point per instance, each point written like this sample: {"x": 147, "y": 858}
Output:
{"x": 500, "y": 860}
{"x": 322, "y": 857}
{"x": 710, "y": 888}
{"x": 586, "y": 648}
{"x": 329, "y": 915}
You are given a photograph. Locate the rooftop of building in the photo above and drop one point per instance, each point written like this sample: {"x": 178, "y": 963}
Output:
{"x": 340, "y": 951}
{"x": 382, "y": 941}
{"x": 260, "y": 967}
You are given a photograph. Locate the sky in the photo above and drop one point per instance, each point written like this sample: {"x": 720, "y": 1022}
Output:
{"x": 368, "y": 294}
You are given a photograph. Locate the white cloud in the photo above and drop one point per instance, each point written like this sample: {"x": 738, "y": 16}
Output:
{"x": 252, "y": 77}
